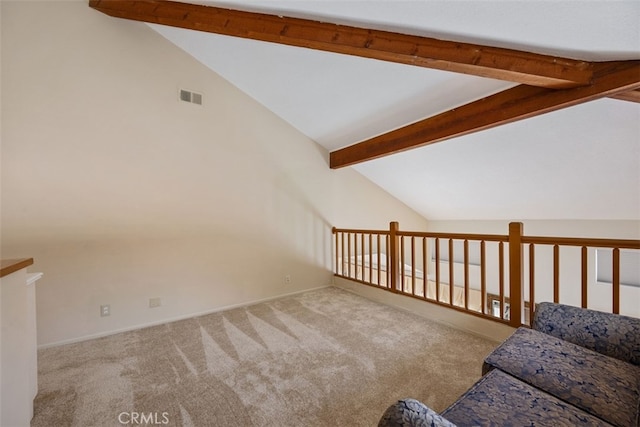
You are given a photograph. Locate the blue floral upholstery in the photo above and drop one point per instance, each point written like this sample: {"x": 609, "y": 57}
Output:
{"x": 412, "y": 413}
{"x": 498, "y": 399}
{"x": 610, "y": 334}
{"x": 606, "y": 387}
{"x": 575, "y": 367}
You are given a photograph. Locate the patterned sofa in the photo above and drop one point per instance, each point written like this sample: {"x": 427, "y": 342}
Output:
{"x": 574, "y": 367}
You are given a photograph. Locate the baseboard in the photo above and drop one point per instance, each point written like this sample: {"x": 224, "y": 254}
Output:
{"x": 174, "y": 319}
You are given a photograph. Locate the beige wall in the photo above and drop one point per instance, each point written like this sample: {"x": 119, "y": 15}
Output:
{"x": 122, "y": 193}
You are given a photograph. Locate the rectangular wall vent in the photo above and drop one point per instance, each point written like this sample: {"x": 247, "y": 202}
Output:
{"x": 192, "y": 97}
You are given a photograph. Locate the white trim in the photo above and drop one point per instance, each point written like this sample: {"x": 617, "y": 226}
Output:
{"x": 33, "y": 278}
{"x": 174, "y": 319}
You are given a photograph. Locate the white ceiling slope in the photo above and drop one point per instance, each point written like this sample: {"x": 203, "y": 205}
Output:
{"x": 578, "y": 163}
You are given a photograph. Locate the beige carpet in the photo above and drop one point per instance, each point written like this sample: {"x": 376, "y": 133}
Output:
{"x": 322, "y": 358}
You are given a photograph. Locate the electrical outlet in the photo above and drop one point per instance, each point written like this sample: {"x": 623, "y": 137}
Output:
{"x": 105, "y": 310}
{"x": 287, "y": 279}
{"x": 155, "y": 302}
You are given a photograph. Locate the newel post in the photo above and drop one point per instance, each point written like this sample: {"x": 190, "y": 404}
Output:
{"x": 394, "y": 256}
{"x": 516, "y": 273}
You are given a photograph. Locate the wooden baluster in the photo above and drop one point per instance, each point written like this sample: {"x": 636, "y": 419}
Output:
{"x": 556, "y": 274}
{"x": 388, "y": 272}
{"x": 425, "y": 267}
{"x": 402, "y": 284}
{"x": 371, "y": 258}
{"x": 342, "y": 253}
{"x": 394, "y": 252}
{"x": 451, "y": 285}
{"x": 362, "y": 256}
{"x": 437, "y": 269}
{"x": 501, "y": 277}
{"x": 355, "y": 254}
{"x": 349, "y": 252}
{"x": 532, "y": 282}
{"x": 516, "y": 278}
{"x": 335, "y": 254}
{"x": 379, "y": 258}
{"x": 413, "y": 265}
{"x": 466, "y": 274}
{"x": 483, "y": 276}
{"x": 584, "y": 274}
{"x": 353, "y": 259}
{"x": 362, "y": 251}
{"x": 616, "y": 281}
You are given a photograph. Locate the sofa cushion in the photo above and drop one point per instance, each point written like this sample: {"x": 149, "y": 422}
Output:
{"x": 412, "y": 413}
{"x": 610, "y": 334}
{"x": 604, "y": 386}
{"x": 498, "y": 399}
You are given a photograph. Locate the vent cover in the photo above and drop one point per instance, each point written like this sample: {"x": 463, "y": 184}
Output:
{"x": 192, "y": 97}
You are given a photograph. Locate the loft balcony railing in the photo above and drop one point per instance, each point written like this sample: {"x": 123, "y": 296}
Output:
{"x": 497, "y": 277}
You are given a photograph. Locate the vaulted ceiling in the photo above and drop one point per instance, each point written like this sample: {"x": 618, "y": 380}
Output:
{"x": 400, "y": 75}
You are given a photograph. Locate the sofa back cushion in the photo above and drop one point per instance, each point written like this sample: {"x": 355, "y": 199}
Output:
{"x": 610, "y": 334}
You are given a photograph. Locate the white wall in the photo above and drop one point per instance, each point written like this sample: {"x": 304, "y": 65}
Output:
{"x": 131, "y": 194}
{"x": 18, "y": 351}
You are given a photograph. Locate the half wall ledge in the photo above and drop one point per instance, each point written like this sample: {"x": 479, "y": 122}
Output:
{"x": 8, "y": 266}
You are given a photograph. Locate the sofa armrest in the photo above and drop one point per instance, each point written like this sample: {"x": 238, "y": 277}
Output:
{"x": 412, "y": 413}
{"x": 610, "y": 334}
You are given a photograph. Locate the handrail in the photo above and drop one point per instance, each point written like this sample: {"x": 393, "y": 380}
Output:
{"x": 580, "y": 241}
{"x": 457, "y": 236}
{"x": 409, "y": 263}
{"x": 359, "y": 231}
{"x": 8, "y": 266}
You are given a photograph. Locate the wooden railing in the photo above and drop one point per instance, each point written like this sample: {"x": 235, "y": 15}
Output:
{"x": 491, "y": 276}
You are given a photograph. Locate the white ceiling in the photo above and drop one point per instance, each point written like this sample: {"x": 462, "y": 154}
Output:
{"x": 578, "y": 163}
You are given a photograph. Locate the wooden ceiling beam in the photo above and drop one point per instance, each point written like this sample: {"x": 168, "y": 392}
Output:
{"x": 631, "y": 96}
{"x": 517, "y": 103}
{"x": 498, "y": 63}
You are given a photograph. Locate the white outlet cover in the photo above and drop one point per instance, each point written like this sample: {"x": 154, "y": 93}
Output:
{"x": 105, "y": 310}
